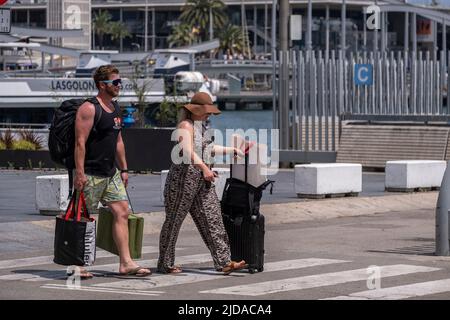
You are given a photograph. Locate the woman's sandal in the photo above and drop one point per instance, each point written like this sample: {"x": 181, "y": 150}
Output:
{"x": 135, "y": 272}
{"x": 170, "y": 270}
{"x": 233, "y": 266}
{"x": 175, "y": 269}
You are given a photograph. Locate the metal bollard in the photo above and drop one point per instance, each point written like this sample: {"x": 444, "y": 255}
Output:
{"x": 442, "y": 215}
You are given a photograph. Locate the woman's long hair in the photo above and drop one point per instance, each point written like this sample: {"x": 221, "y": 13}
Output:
{"x": 183, "y": 114}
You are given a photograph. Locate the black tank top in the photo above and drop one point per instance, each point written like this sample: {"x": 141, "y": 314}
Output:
{"x": 101, "y": 145}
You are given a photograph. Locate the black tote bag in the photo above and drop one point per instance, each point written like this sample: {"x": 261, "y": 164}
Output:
{"x": 75, "y": 234}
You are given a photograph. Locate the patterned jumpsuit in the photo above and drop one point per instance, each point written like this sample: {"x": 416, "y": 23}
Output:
{"x": 186, "y": 191}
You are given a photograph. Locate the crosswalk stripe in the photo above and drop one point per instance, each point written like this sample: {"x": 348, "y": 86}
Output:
{"x": 192, "y": 276}
{"x": 45, "y": 275}
{"x": 314, "y": 281}
{"x": 43, "y": 260}
{"x": 195, "y": 258}
{"x": 400, "y": 292}
{"x": 104, "y": 290}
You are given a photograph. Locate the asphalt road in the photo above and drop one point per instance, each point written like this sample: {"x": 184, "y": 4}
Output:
{"x": 344, "y": 257}
{"x": 17, "y": 192}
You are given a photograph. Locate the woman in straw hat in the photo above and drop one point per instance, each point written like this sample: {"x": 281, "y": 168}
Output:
{"x": 189, "y": 188}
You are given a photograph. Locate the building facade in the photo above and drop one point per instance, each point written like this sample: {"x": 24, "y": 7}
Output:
{"x": 150, "y": 23}
{"x": 70, "y": 14}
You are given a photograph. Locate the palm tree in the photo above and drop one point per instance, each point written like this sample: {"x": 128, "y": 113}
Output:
{"x": 232, "y": 38}
{"x": 118, "y": 30}
{"x": 197, "y": 12}
{"x": 182, "y": 35}
{"x": 102, "y": 25}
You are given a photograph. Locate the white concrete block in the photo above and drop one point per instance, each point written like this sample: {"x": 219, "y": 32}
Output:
{"x": 224, "y": 174}
{"x": 52, "y": 194}
{"x": 328, "y": 178}
{"x": 408, "y": 174}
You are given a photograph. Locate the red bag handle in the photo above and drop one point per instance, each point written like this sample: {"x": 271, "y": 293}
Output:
{"x": 70, "y": 208}
{"x": 79, "y": 207}
{"x": 82, "y": 202}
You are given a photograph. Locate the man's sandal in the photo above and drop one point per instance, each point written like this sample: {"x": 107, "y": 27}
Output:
{"x": 83, "y": 274}
{"x": 233, "y": 266}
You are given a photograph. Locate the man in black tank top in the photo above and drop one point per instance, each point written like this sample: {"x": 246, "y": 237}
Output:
{"x": 97, "y": 149}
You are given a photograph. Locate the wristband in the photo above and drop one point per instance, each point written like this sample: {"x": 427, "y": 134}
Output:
{"x": 124, "y": 171}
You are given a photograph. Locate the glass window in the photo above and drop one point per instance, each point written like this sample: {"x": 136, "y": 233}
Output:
{"x": 38, "y": 18}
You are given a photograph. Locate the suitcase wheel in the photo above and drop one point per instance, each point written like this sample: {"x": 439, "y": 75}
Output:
{"x": 252, "y": 270}
{"x": 261, "y": 269}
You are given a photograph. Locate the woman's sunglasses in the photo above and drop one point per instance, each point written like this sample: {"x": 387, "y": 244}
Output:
{"x": 114, "y": 82}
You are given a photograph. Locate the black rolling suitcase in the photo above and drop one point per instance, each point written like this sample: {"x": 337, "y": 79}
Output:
{"x": 244, "y": 223}
{"x": 246, "y": 235}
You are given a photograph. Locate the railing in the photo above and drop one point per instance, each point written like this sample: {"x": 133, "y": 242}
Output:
{"x": 233, "y": 62}
{"x": 24, "y": 125}
{"x": 314, "y": 92}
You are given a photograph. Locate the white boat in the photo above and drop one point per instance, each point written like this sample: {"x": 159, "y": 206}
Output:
{"x": 50, "y": 92}
{"x": 34, "y": 90}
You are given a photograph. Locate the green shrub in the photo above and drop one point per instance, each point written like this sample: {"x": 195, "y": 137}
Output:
{"x": 7, "y": 138}
{"x": 2, "y": 146}
{"x": 24, "y": 145}
{"x": 167, "y": 113}
{"x": 33, "y": 138}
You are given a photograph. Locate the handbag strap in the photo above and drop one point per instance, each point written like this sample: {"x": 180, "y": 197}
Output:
{"x": 129, "y": 201}
{"x": 246, "y": 167}
{"x": 251, "y": 201}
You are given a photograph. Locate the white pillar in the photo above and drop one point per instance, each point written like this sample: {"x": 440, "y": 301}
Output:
{"x": 153, "y": 29}
{"x": 343, "y": 29}
{"x": 406, "y": 36}
{"x": 309, "y": 27}
{"x": 365, "y": 29}
{"x": 414, "y": 32}
{"x": 146, "y": 27}
{"x": 327, "y": 32}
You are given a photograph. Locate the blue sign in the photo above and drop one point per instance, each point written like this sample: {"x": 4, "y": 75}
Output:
{"x": 363, "y": 74}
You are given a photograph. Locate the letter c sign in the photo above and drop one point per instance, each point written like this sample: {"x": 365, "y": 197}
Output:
{"x": 363, "y": 74}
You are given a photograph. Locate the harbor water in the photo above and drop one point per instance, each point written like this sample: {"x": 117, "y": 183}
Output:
{"x": 245, "y": 120}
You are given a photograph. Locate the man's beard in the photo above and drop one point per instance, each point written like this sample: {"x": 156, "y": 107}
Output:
{"x": 111, "y": 92}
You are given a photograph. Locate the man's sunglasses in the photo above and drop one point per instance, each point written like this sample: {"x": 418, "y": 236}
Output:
{"x": 114, "y": 82}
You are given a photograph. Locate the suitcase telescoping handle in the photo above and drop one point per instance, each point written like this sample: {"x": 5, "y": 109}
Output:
{"x": 245, "y": 168}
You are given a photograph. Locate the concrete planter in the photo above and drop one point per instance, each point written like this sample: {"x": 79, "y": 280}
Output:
{"x": 148, "y": 149}
{"x": 26, "y": 159}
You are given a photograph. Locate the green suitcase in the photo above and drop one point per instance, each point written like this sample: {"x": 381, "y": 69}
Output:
{"x": 105, "y": 239}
